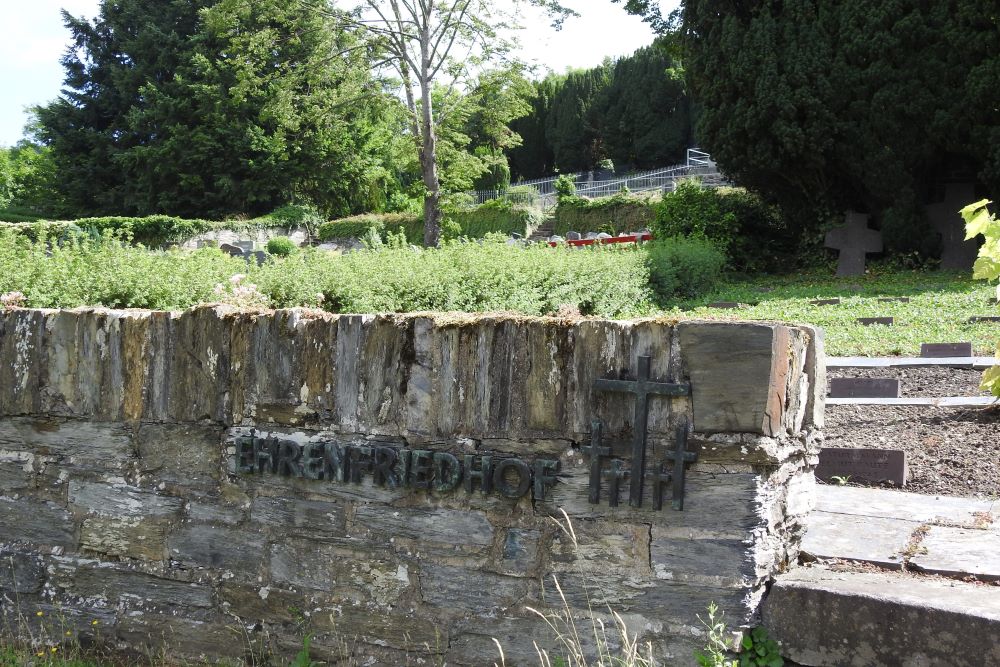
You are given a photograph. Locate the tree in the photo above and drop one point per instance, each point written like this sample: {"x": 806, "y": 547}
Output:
{"x": 825, "y": 106}
{"x": 436, "y": 42}
{"x": 634, "y": 110}
{"x": 213, "y": 107}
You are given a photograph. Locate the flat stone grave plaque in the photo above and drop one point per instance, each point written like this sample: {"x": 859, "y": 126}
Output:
{"x": 864, "y": 388}
{"x": 894, "y": 299}
{"x": 869, "y": 465}
{"x": 724, "y": 304}
{"x": 943, "y": 350}
{"x": 984, "y": 318}
{"x": 825, "y": 302}
{"x": 245, "y": 246}
{"x": 868, "y": 321}
{"x": 854, "y": 239}
{"x": 956, "y": 253}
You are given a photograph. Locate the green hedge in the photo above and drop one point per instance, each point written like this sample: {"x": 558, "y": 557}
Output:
{"x": 616, "y": 214}
{"x": 491, "y": 218}
{"x": 18, "y": 214}
{"x": 489, "y": 276}
{"x": 151, "y": 231}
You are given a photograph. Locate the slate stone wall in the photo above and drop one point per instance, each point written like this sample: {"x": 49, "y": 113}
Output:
{"x": 157, "y": 475}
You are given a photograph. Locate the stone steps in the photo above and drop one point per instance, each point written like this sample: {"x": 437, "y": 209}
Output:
{"x": 893, "y": 578}
{"x": 823, "y": 617}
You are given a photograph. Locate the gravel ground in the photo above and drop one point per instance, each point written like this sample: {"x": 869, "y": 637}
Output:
{"x": 949, "y": 451}
{"x": 932, "y": 381}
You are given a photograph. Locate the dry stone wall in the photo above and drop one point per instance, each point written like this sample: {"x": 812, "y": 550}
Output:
{"x": 404, "y": 489}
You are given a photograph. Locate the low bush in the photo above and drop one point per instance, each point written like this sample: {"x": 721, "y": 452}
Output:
{"x": 751, "y": 233}
{"x": 281, "y": 246}
{"x": 619, "y": 213}
{"x": 360, "y": 226}
{"x": 684, "y": 267}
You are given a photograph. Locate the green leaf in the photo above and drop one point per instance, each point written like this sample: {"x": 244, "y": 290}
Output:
{"x": 972, "y": 208}
{"x": 977, "y": 224}
{"x": 747, "y": 642}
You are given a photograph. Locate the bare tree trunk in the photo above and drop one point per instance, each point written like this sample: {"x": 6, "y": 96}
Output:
{"x": 429, "y": 171}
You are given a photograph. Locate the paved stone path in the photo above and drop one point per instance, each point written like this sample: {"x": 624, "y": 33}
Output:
{"x": 954, "y": 537}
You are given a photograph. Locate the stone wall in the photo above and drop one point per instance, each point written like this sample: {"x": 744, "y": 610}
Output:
{"x": 403, "y": 489}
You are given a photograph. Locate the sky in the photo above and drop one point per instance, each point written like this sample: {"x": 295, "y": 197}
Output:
{"x": 33, "y": 38}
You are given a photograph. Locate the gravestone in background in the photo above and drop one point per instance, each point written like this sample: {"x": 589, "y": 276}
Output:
{"x": 854, "y": 239}
{"x": 957, "y": 254}
{"x": 231, "y": 250}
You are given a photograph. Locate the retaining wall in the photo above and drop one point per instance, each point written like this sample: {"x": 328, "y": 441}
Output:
{"x": 213, "y": 482}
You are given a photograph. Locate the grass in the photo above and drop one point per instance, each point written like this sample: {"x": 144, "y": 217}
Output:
{"x": 940, "y": 306}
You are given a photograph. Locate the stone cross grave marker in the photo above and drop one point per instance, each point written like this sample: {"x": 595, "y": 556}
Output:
{"x": 854, "y": 239}
{"x": 956, "y": 253}
{"x": 642, "y": 387}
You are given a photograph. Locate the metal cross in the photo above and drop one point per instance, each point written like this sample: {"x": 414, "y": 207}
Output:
{"x": 596, "y": 452}
{"x": 680, "y": 456}
{"x": 642, "y": 387}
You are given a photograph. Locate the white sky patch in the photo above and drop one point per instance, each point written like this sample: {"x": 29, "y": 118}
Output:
{"x": 33, "y": 39}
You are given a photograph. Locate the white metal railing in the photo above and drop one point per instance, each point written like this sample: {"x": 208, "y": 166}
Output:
{"x": 698, "y": 164}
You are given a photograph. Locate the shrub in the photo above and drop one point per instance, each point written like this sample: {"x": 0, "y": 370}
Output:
{"x": 615, "y": 214}
{"x": 298, "y": 215}
{"x": 565, "y": 187}
{"x": 281, "y": 246}
{"x": 491, "y": 276}
{"x": 752, "y": 234}
{"x": 684, "y": 267}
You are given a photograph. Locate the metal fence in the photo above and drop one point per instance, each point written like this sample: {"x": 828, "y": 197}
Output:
{"x": 541, "y": 191}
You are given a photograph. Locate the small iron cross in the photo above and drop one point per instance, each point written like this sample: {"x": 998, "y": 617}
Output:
{"x": 679, "y": 456}
{"x": 643, "y": 388}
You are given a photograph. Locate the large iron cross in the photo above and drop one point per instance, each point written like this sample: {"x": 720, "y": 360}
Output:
{"x": 643, "y": 388}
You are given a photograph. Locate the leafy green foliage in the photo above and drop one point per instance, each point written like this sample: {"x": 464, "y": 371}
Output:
{"x": 615, "y": 214}
{"x": 281, "y": 246}
{"x": 458, "y": 276}
{"x": 684, "y": 267}
{"x": 787, "y": 92}
{"x": 213, "y": 107}
{"x": 759, "y": 650}
{"x": 565, "y": 187}
{"x": 978, "y": 220}
{"x": 752, "y": 234}
{"x": 27, "y": 176}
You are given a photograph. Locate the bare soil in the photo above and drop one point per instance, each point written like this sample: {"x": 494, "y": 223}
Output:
{"x": 949, "y": 451}
{"x": 931, "y": 381}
